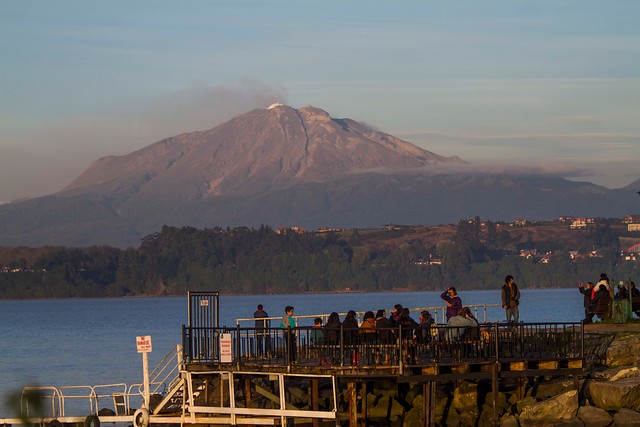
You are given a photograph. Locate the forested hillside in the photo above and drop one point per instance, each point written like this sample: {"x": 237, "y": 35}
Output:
{"x": 471, "y": 255}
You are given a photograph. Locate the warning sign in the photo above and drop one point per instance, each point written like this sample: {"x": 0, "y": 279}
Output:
{"x": 226, "y": 351}
{"x": 143, "y": 344}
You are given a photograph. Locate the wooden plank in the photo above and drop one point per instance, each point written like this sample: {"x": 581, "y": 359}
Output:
{"x": 577, "y": 363}
{"x": 517, "y": 366}
{"x": 430, "y": 370}
{"x": 548, "y": 364}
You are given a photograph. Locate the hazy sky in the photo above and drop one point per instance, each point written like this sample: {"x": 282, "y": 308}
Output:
{"x": 506, "y": 85}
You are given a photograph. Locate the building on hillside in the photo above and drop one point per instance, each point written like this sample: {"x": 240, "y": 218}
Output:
{"x": 633, "y": 227}
{"x": 431, "y": 261}
{"x": 330, "y": 230}
{"x": 286, "y": 230}
{"x": 529, "y": 253}
{"x": 632, "y": 253}
{"x": 567, "y": 219}
{"x": 582, "y": 223}
{"x": 631, "y": 219}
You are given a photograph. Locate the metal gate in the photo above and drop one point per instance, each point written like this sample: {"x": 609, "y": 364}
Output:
{"x": 203, "y": 309}
{"x": 200, "y": 338}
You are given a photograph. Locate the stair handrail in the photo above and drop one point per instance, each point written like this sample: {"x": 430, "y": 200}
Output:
{"x": 167, "y": 368}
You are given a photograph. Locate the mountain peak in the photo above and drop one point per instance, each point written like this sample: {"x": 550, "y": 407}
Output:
{"x": 264, "y": 149}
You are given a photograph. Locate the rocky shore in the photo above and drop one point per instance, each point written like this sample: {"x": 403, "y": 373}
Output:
{"x": 608, "y": 394}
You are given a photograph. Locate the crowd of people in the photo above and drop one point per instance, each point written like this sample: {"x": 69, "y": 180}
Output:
{"x": 598, "y": 297}
{"x": 375, "y": 327}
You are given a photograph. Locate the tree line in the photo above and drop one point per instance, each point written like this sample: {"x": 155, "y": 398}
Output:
{"x": 246, "y": 260}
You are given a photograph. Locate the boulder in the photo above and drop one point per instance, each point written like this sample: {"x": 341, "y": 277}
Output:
{"x": 415, "y": 417}
{"x": 572, "y": 422}
{"x": 468, "y": 419}
{"x": 527, "y": 401}
{"x": 626, "y": 417}
{"x": 508, "y": 420}
{"x": 502, "y": 401}
{"x": 386, "y": 408}
{"x": 561, "y": 408}
{"x": 465, "y": 397}
{"x": 545, "y": 390}
{"x": 623, "y": 351}
{"x": 594, "y": 417}
{"x": 613, "y": 395}
{"x": 486, "y": 415}
{"x": 626, "y": 373}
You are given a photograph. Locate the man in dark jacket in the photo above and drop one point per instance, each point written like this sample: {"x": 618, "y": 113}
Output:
{"x": 511, "y": 299}
{"x": 263, "y": 343}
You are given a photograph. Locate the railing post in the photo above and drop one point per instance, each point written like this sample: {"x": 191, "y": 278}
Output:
{"x": 341, "y": 345}
{"x": 497, "y": 337}
{"x": 400, "y": 352}
{"x": 238, "y": 352}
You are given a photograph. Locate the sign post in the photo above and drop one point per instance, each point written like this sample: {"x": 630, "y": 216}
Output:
{"x": 143, "y": 343}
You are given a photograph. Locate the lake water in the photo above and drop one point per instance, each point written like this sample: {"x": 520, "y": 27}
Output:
{"x": 92, "y": 341}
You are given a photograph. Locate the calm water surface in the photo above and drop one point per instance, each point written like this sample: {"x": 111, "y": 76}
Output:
{"x": 92, "y": 341}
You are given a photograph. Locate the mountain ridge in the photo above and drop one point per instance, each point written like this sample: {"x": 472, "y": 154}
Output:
{"x": 284, "y": 167}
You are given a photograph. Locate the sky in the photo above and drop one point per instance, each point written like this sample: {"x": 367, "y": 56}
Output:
{"x": 509, "y": 86}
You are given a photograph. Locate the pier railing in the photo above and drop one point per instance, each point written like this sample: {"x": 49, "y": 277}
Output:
{"x": 385, "y": 347}
{"x": 482, "y": 312}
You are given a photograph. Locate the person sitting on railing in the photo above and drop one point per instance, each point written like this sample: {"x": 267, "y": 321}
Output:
{"x": 368, "y": 328}
{"x": 332, "y": 329}
{"x": 407, "y": 325}
{"x": 394, "y": 318}
{"x": 350, "y": 337}
{"x": 350, "y": 328}
{"x": 384, "y": 327}
{"x": 457, "y": 326}
{"x": 317, "y": 334}
{"x": 426, "y": 322}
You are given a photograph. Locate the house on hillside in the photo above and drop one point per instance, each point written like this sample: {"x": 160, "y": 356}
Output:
{"x": 528, "y": 253}
{"x": 582, "y": 223}
{"x": 632, "y": 253}
{"x": 631, "y": 219}
{"x": 287, "y": 230}
{"x": 633, "y": 227}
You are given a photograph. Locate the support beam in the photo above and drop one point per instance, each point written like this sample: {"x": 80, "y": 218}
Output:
{"x": 352, "y": 396}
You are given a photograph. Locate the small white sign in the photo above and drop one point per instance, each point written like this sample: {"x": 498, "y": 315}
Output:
{"x": 143, "y": 344}
{"x": 204, "y": 303}
{"x": 226, "y": 349}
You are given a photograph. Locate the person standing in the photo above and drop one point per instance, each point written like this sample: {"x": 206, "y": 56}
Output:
{"x": 588, "y": 292}
{"x": 511, "y": 299}
{"x": 454, "y": 303}
{"x": 289, "y": 325}
{"x": 261, "y": 326}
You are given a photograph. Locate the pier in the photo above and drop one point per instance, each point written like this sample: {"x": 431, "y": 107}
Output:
{"x": 317, "y": 377}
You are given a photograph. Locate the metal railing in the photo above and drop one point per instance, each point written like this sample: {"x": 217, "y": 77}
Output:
{"x": 389, "y": 347}
{"x": 480, "y": 312}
